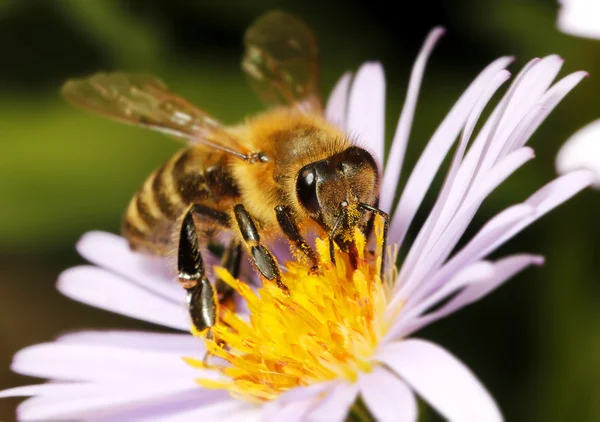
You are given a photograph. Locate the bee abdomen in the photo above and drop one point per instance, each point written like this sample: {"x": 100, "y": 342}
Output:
{"x": 190, "y": 176}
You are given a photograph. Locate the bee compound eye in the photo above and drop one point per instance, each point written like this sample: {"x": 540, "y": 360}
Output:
{"x": 306, "y": 189}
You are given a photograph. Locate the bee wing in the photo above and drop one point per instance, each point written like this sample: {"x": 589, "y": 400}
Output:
{"x": 282, "y": 61}
{"x": 146, "y": 101}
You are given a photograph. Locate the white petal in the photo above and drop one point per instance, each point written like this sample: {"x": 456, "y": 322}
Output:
{"x": 336, "y": 404}
{"x": 97, "y": 287}
{"x": 387, "y": 397}
{"x": 63, "y": 361}
{"x": 366, "y": 109}
{"x": 504, "y": 269}
{"x": 110, "y": 251}
{"x": 580, "y": 18}
{"x": 395, "y": 159}
{"x": 436, "y": 149}
{"x": 184, "y": 344}
{"x": 441, "y": 380}
{"x": 582, "y": 150}
{"x": 335, "y": 111}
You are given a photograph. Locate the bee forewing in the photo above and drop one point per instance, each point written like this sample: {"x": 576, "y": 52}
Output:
{"x": 140, "y": 100}
{"x": 282, "y": 61}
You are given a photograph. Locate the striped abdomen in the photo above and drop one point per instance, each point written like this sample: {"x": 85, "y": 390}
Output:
{"x": 193, "y": 175}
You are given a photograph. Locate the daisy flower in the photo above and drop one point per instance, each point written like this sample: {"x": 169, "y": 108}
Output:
{"x": 580, "y": 18}
{"x": 342, "y": 341}
{"x": 582, "y": 150}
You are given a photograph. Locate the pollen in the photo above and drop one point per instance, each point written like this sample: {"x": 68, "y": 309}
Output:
{"x": 327, "y": 327}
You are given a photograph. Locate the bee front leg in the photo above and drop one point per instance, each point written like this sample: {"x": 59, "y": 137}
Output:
{"x": 290, "y": 229}
{"x": 263, "y": 259}
{"x": 386, "y": 223}
{"x": 201, "y": 296}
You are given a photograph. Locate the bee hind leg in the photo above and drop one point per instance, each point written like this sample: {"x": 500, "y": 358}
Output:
{"x": 201, "y": 296}
{"x": 263, "y": 259}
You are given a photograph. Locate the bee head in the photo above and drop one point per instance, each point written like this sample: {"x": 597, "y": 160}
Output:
{"x": 336, "y": 185}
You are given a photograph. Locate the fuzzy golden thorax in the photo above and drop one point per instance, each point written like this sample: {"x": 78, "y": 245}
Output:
{"x": 312, "y": 168}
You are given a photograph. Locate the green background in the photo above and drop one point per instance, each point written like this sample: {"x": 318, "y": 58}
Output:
{"x": 535, "y": 343}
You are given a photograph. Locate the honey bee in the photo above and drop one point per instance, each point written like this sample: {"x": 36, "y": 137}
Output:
{"x": 287, "y": 170}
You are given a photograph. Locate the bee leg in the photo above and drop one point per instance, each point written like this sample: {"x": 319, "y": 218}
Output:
{"x": 334, "y": 230}
{"x": 231, "y": 261}
{"x": 201, "y": 296}
{"x": 386, "y": 218}
{"x": 290, "y": 229}
{"x": 263, "y": 259}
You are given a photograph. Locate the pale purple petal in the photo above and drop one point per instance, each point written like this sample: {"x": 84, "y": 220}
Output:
{"x": 336, "y": 404}
{"x": 226, "y": 410}
{"x": 86, "y": 404}
{"x": 394, "y": 161}
{"x": 77, "y": 362}
{"x": 430, "y": 258}
{"x": 504, "y": 269}
{"x": 413, "y": 306}
{"x": 441, "y": 380}
{"x": 488, "y": 140}
{"x": 97, "y": 287}
{"x": 292, "y": 412}
{"x": 544, "y": 200}
{"x": 471, "y": 274}
{"x": 437, "y": 148}
{"x": 387, "y": 397}
{"x": 443, "y": 210}
{"x": 305, "y": 392}
{"x": 184, "y": 344}
{"x": 579, "y": 18}
{"x": 582, "y": 150}
{"x": 366, "y": 109}
{"x": 112, "y": 252}
{"x": 541, "y": 110}
{"x": 306, "y": 397}
{"x": 335, "y": 111}
{"x": 168, "y": 410}
{"x": 494, "y": 228}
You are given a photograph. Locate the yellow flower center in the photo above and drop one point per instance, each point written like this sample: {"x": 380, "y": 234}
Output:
{"x": 326, "y": 328}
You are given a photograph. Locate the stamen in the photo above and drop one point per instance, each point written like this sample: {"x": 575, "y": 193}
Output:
{"x": 328, "y": 326}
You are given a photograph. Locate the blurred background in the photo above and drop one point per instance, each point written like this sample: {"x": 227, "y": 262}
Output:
{"x": 535, "y": 343}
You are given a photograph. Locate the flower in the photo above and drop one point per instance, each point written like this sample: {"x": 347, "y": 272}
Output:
{"x": 582, "y": 150}
{"x": 580, "y": 18}
{"x": 121, "y": 375}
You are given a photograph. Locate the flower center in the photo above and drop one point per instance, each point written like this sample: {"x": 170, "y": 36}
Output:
{"x": 326, "y": 328}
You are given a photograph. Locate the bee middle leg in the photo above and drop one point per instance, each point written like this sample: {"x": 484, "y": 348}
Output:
{"x": 231, "y": 261}
{"x": 263, "y": 259}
